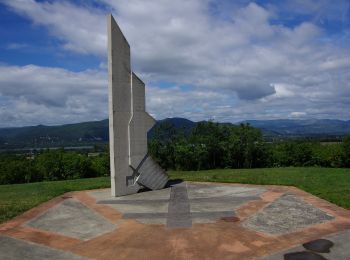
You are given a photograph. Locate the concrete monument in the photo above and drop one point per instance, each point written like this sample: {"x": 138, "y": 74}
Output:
{"x": 131, "y": 166}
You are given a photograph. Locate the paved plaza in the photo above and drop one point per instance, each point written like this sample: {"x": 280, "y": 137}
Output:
{"x": 186, "y": 220}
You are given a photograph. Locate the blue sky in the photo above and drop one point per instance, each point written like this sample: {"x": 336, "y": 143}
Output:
{"x": 200, "y": 59}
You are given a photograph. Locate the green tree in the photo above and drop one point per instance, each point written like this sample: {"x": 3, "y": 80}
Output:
{"x": 100, "y": 165}
{"x": 50, "y": 165}
{"x": 17, "y": 169}
{"x": 346, "y": 150}
{"x": 327, "y": 155}
{"x": 76, "y": 166}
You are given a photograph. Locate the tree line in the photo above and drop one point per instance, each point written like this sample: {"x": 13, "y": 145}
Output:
{"x": 52, "y": 165}
{"x": 211, "y": 145}
{"x": 208, "y": 145}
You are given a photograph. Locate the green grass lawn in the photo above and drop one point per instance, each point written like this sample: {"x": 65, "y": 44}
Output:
{"x": 330, "y": 184}
{"x": 17, "y": 198}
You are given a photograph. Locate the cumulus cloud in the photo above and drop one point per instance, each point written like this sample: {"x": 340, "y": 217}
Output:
{"x": 297, "y": 114}
{"x": 81, "y": 29}
{"x": 238, "y": 62}
{"x": 34, "y": 95}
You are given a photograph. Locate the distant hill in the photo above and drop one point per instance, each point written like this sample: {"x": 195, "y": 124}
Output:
{"x": 178, "y": 122}
{"x": 307, "y": 128}
{"x": 70, "y": 134}
{"x": 39, "y": 136}
{"x": 97, "y": 131}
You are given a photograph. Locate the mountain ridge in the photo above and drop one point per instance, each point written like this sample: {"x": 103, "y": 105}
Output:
{"x": 303, "y": 126}
{"x": 97, "y": 131}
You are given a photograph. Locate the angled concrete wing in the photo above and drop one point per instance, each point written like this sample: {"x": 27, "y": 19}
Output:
{"x": 131, "y": 167}
{"x": 139, "y": 124}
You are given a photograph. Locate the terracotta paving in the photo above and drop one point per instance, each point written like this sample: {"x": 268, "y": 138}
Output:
{"x": 226, "y": 238}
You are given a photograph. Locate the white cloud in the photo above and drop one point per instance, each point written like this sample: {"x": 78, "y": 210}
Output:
{"x": 38, "y": 95}
{"x": 239, "y": 66}
{"x": 80, "y": 29}
{"x": 297, "y": 114}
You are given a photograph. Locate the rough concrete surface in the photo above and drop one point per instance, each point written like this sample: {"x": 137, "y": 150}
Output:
{"x": 181, "y": 204}
{"x": 72, "y": 219}
{"x": 129, "y": 122}
{"x": 286, "y": 214}
{"x": 13, "y": 249}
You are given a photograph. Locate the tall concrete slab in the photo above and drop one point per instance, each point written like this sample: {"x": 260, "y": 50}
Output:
{"x": 141, "y": 122}
{"x": 128, "y": 122}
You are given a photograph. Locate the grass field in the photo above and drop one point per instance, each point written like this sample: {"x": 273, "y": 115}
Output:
{"x": 17, "y": 198}
{"x": 330, "y": 184}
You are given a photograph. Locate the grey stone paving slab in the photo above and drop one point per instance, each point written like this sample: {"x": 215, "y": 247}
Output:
{"x": 72, "y": 218}
{"x": 132, "y": 202}
{"x": 182, "y": 204}
{"x": 286, "y": 214}
{"x": 150, "y": 207}
{"x": 210, "y": 215}
{"x": 200, "y": 190}
{"x": 149, "y": 195}
{"x": 212, "y": 199}
{"x": 140, "y": 206}
{"x": 15, "y": 249}
{"x": 339, "y": 251}
{"x": 179, "y": 210}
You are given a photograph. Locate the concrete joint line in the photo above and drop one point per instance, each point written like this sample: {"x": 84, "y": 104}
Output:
{"x": 179, "y": 209}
